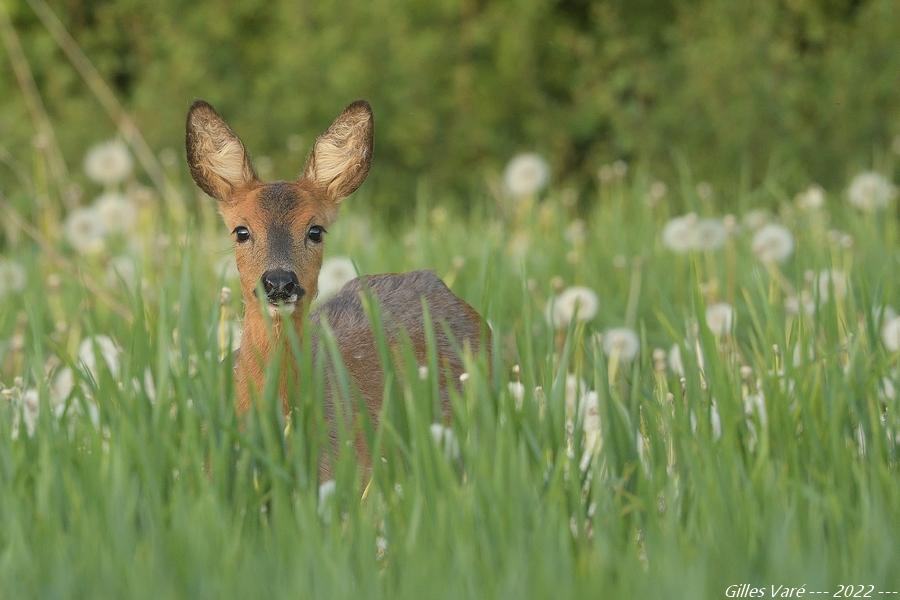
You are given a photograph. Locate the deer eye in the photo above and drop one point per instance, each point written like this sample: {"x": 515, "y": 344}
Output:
{"x": 241, "y": 233}
{"x": 315, "y": 233}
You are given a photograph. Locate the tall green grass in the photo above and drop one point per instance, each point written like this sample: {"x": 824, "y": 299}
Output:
{"x": 142, "y": 482}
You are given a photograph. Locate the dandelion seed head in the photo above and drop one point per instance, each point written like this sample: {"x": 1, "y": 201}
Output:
{"x": 622, "y": 342}
{"x": 336, "y": 272}
{"x": 85, "y": 231}
{"x": 871, "y": 191}
{"x": 802, "y": 304}
{"x": 811, "y": 199}
{"x": 95, "y": 348}
{"x": 526, "y": 175}
{"x": 675, "y": 363}
{"x": 326, "y": 491}
{"x": 446, "y": 440}
{"x": 30, "y": 409}
{"x": 756, "y": 218}
{"x": 108, "y": 163}
{"x": 656, "y": 193}
{"x": 121, "y": 268}
{"x": 773, "y": 243}
{"x": 715, "y": 421}
{"x": 890, "y": 334}
{"x": 828, "y": 279}
{"x": 576, "y": 232}
{"x": 62, "y": 385}
{"x": 576, "y": 302}
{"x": 12, "y": 277}
{"x": 517, "y": 391}
{"x": 719, "y": 318}
{"x": 116, "y": 212}
{"x": 678, "y": 233}
{"x": 709, "y": 234}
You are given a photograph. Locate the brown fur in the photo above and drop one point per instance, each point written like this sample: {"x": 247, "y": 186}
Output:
{"x": 280, "y": 214}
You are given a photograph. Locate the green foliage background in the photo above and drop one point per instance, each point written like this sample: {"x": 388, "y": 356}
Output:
{"x": 791, "y": 88}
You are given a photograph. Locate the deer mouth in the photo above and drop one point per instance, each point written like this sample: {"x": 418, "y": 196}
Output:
{"x": 283, "y": 306}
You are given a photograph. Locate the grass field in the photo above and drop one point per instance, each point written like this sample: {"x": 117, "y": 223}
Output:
{"x": 721, "y": 409}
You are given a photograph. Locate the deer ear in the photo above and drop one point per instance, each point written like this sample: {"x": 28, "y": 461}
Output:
{"x": 342, "y": 155}
{"x": 217, "y": 158}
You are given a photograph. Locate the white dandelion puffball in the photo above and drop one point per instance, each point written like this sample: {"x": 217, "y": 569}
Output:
{"x": 890, "y": 334}
{"x": 335, "y": 273}
{"x": 622, "y": 342}
{"x": 871, "y": 191}
{"x": 678, "y": 233}
{"x": 828, "y": 279}
{"x": 576, "y": 232}
{"x": 756, "y": 218}
{"x": 30, "y": 407}
{"x": 715, "y": 421}
{"x": 675, "y": 362}
{"x": 575, "y": 302}
{"x": 802, "y": 304}
{"x": 108, "y": 163}
{"x": 116, "y": 211}
{"x": 719, "y": 318}
{"x": 687, "y": 232}
{"x": 62, "y": 385}
{"x": 709, "y": 234}
{"x": 85, "y": 231}
{"x": 517, "y": 391}
{"x": 12, "y": 277}
{"x": 773, "y": 243}
{"x": 591, "y": 425}
{"x": 326, "y": 491}
{"x": 526, "y": 175}
{"x": 446, "y": 440}
{"x": 100, "y": 347}
{"x": 811, "y": 199}
{"x": 120, "y": 269}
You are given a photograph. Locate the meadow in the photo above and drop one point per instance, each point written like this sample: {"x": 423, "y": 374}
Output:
{"x": 688, "y": 391}
{"x": 679, "y": 219}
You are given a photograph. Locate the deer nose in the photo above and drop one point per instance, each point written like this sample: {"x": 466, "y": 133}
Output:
{"x": 281, "y": 285}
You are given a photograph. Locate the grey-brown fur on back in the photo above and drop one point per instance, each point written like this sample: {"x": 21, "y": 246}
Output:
{"x": 400, "y": 298}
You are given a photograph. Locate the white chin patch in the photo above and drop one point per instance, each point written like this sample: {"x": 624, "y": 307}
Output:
{"x": 282, "y": 310}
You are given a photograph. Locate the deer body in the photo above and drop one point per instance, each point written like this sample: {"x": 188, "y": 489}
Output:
{"x": 279, "y": 230}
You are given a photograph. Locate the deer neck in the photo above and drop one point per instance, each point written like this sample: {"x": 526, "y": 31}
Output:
{"x": 261, "y": 344}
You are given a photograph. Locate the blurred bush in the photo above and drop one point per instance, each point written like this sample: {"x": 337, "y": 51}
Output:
{"x": 805, "y": 88}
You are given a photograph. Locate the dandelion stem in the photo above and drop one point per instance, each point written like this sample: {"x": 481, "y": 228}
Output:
{"x": 35, "y": 104}
{"x": 106, "y": 97}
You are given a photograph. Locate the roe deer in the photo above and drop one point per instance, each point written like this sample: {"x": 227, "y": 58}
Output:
{"x": 279, "y": 231}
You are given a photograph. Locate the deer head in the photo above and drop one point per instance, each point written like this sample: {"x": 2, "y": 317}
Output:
{"x": 279, "y": 228}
